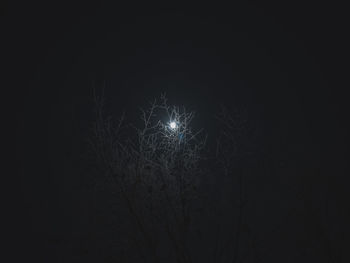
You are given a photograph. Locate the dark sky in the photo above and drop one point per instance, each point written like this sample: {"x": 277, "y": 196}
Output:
{"x": 281, "y": 63}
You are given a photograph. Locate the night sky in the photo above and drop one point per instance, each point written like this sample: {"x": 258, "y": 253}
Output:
{"x": 280, "y": 64}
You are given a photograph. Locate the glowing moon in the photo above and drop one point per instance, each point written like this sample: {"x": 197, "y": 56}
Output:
{"x": 173, "y": 125}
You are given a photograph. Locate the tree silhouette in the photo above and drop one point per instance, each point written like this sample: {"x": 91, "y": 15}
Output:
{"x": 157, "y": 168}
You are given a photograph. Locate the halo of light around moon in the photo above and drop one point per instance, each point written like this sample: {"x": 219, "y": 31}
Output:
{"x": 173, "y": 125}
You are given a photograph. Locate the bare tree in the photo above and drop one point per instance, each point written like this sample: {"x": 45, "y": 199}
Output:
{"x": 155, "y": 168}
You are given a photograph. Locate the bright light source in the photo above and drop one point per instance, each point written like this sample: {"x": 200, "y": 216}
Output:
{"x": 173, "y": 125}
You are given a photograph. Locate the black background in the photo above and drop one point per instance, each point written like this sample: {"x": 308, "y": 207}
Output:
{"x": 283, "y": 63}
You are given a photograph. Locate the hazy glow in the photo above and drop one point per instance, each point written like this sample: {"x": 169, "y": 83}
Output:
{"x": 173, "y": 125}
